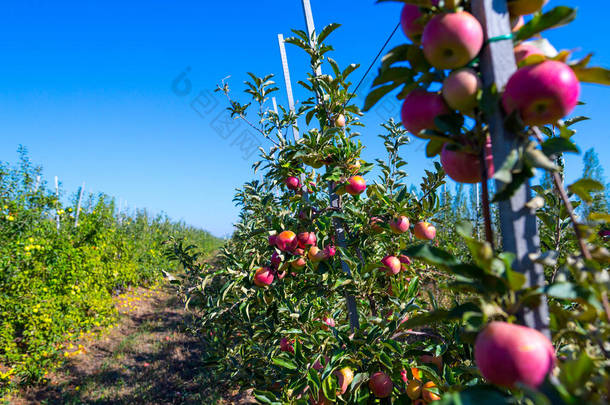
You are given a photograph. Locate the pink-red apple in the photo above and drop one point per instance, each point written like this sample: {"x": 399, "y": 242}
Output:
{"x": 306, "y": 239}
{"x": 276, "y": 259}
{"x": 507, "y": 354}
{"x": 399, "y": 224}
{"x": 451, "y": 40}
{"x": 298, "y": 263}
{"x": 293, "y": 183}
{"x": 286, "y": 345}
{"x": 340, "y": 121}
{"x": 526, "y": 49}
{"x": 355, "y": 185}
{"x": 460, "y": 90}
{"x": 542, "y": 93}
{"x": 381, "y": 385}
{"x": 391, "y": 265}
{"x": 374, "y": 224}
{"x": 404, "y": 261}
{"x": 420, "y": 108}
{"x": 410, "y": 21}
{"x": 424, "y": 231}
{"x": 330, "y": 251}
{"x": 286, "y": 241}
{"x": 461, "y": 166}
{"x": 263, "y": 277}
{"x": 315, "y": 254}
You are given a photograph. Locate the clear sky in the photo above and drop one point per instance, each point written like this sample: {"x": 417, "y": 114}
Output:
{"x": 87, "y": 88}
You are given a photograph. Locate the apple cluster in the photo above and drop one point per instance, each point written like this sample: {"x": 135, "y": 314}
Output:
{"x": 540, "y": 92}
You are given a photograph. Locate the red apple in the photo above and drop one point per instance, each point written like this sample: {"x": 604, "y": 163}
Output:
{"x": 345, "y": 376}
{"x": 451, "y": 40}
{"x": 399, "y": 224}
{"x": 461, "y": 166}
{"x": 460, "y": 90}
{"x": 286, "y": 345}
{"x": 374, "y": 224}
{"x": 436, "y": 360}
{"x": 391, "y": 265}
{"x": 293, "y": 183}
{"x": 523, "y": 7}
{"x": 263, "y": 277}
{"x": 414, "y": 389}
{"x": 286, "y": 241}
{"x": 525, "y": 49}
{"x": 403, "y": 375}
{"x": 542, "y": 93}
{"x": 298, "y": 263}
{"x": 507, "y": 354}
{"x": 330, "y": 251}
{"x": 410, "y": 21}
{"x": 306, "y": 239}
{"x": 424, "y": 231}
{"x": 381, "y": 385}
{"x": 355, "y": 185}
{"x": 271, "y": 239}
{"x": 420, "y": 108}
{"x": 404, "y": 262}
{"x": 330, "y": 322}
{"x": 276, "y": 259}
{"x": 315, "y": 254}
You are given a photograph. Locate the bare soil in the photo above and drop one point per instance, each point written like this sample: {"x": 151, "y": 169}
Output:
{"x": 149, "y": 358}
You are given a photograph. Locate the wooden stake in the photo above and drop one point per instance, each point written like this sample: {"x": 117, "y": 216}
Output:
{"x": 517, "y": 222}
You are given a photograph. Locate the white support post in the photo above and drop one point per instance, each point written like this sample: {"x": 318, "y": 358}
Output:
{"x": 286, "y": 70}
{"x": 335, "y": 200}
{"x": 80, "y": 199}
{"x": 118, "y": 215}
{"x": 57, "y": 203}
{"x": 37, "y": 184}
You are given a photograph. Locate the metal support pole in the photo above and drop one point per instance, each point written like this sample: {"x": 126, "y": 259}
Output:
{"x": 335, "y": 200}
{"x": 286, "y": 70}
{"x": 80, "y": 199}
{"x": 517, "y": 222}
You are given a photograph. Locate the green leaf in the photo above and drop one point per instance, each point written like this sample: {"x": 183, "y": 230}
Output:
{"x": 557, "y": 145}
{"x": 434, "y": 147}
{"x": 476, "y": 395}
{"x": 575, "y": 373}
{"x": 289, "y": 364}
{"x": 596, "y": 75}
{"x": 431, "y": 255}
{"x": 374, "y": 96}
{"x": 584, "y": 187}
{"x": 326, "y": 31}
{"x": 569, "y": 291}
{"x": 394, "y": 75}
{"x": 552, "y": 19}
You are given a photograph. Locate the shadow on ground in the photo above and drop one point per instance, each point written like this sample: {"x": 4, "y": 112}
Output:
{"x": 148, "y": 359}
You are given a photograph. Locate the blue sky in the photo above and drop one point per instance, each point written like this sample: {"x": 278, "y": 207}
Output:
{"x": 87, "y": 88}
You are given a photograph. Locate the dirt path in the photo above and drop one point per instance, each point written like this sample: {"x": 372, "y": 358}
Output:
{"x": 147, "y": 359}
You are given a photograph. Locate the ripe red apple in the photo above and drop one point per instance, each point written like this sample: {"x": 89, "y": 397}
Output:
{"x": 286, "y": 241}
{"x": 340, "y": 121}
{"x": 525, "y": 49}
{"x": 410, "y": 21}
{"x": 330, "y": 322}
{"x": 427, "y": 394}
{"x": 286, "y": 345}
{"x": 420, "y": 108}
{"x": 276, "y": 259}
{"x": 523, "y": 7}
{"x": 263, "y": 277}
{"x": 391, "y": 265}
{"x": 414, "y": 389}
{"x": 399, "y": 224}
{"x": 507, "y": 354}
{"x": 355, "y": 185}
{"x": 436, "y": 360}
{"x": 424, "y": 231}
{"x": 461, "y": 166}
{"x": 330, "y": 251}
{"x": 345, "y": 376}
{"x": 460, "y": 90}
{"x": 374, "y": 224}
{"x": 542, "y": 93}
{"x": 381, "y": 385}
{"x": 298, "y": 263}
{"x": 403, "y": 375}
{"x": 404, "y": 261}
{"x": 293, "y": 183}
{"x": 315, "y": 254}
{"x": 271, "y": 239}
{"x": 306, "y": 239}
{"x": 451, "y": 40}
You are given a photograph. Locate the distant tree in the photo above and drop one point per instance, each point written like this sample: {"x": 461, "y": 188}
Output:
{"x": 594, "y": 170}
